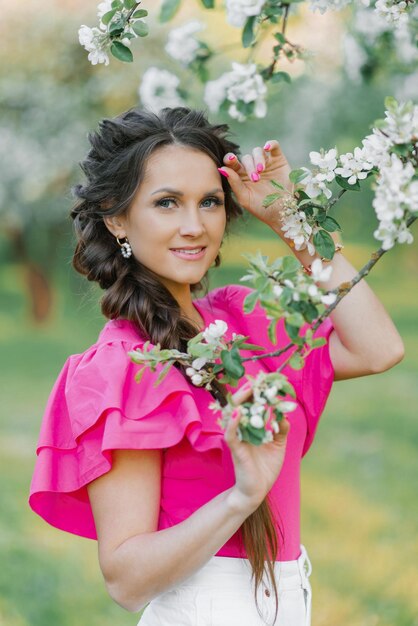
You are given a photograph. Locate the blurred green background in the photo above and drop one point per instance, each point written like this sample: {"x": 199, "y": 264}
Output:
{"x": 359, "y": 481}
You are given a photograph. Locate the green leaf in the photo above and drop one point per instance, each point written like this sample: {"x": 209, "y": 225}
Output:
{"x": 292, "y": 331}
{"x": 296, "y": 362}
{"x": 252, "y": 435}
{"x": 163, "y": 373}
{"x": 290, "y": 264}
{"x": 277, "y": 185}
{"x": 324, "y": 244}
{"x": 296, "y": 176}
{"x": 280, "y": 37}
{"x": 208, "y": 4}
{"x": 232, "y": 362}
{"x": 168, "y": 10}
{"x": 272, "y": 332}
{"x": 140, "y": 28}
{"x": 248, "y": 32}
{"x": 129, "y": 4}
{"x": 346, "y": 185}
{"x": 270, "y": 198}
{"x": 117, "y": 4}
{"x": 295, "y": 319}
{"x": 279, "y": 77}
{"x": 108, "y": 16}
{"x": 116, "y": 28}
{"x": 250, "y": 301}
{"x": 251, "y": 346}
{"x": 121, "y": 52}
{"x": 330, "y": 224}
{"x": 140, "y": 13}
{"x": 318, "y": 341}
{"x": 140, "y": 374}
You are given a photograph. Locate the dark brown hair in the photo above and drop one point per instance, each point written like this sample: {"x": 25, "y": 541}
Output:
{"x": 115, "y": 167}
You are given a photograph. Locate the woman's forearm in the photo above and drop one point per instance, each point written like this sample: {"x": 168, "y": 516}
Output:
{"x": 149, "y": 564}
{"x": 360, "y": 319}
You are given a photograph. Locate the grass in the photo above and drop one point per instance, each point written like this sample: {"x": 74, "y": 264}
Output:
{"x": 359, "y": 506}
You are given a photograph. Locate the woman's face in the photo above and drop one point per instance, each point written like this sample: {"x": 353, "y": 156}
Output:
{"x": 179, "y": 205}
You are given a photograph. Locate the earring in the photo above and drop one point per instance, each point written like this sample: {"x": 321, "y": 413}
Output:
{"x": 125, "y": 248}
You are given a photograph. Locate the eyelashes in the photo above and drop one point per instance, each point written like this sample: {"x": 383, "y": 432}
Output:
{"x": 215, "y": 199}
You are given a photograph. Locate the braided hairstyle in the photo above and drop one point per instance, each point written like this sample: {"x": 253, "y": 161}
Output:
{"x": 114, "y": 167}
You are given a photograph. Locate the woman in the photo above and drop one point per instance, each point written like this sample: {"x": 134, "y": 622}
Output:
{"x": 187, "y": 516}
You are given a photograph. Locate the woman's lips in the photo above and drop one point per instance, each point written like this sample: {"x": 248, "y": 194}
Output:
{"x": 188, "y": 256}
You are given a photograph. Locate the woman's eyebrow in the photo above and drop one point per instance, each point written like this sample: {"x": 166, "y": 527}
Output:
{"x": 180, "y": 193}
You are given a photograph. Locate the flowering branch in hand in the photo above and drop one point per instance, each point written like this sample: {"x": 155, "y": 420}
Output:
{"x": 390, "y": 153}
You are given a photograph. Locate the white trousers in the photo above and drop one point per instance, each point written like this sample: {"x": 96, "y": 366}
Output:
{"x": 221, "y": 594}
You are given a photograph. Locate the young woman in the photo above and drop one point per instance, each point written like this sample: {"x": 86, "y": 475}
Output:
{"x": 192, "y": 523}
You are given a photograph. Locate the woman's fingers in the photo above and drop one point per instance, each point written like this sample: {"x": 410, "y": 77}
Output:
{"x": 243, "y": 394}
{"x": 259, "y": 159}
{"x": 231, "y": 430}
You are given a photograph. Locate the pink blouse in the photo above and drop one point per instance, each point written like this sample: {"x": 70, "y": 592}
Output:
{"x": 96, "y": 406}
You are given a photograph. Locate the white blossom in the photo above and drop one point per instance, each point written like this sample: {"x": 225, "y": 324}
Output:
{"x": 277, "y": 290}
{"x": 181, "y": 44}
{"x": 159, "y": 88}
{"x": 354, "y": 166}
{"x": 328, "y": 298}
{"x": 199, "y": 362}
{"x": 297, "y": 228}
{"x": 313, "y": 186}
{"x": 237, "y": 11}
{"x": 190, "y": 371}
{"x": 324, "y": 5}
{"x": 286, "y": 406}
{"x": 275, "y": 426}
{"x": 256, "y": 421}
{"x": 215, "y": 331}
{"x": 320, "y": 273}
{"x": 375, "y": 148}
{"x": 197, "y": 379}
{"x": 326, "y": 163}
{"x": 394, "y": 11}
{"x": 92, "y": 39}
{"x": 242, "y": 84}
{"x": 216, "y": 90}
{"x": 271, "y": 392}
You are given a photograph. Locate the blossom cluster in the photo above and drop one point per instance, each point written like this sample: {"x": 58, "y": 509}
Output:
{"x": 243, "y": 90}
{"x": 118, "y": 24}
{"x": 260, "y": 417}
{"x": 395, "y": 12}
{"x": 396, "y": 184}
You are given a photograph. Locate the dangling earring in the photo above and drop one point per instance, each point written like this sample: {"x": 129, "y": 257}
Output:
{"x": 125, "y": 248}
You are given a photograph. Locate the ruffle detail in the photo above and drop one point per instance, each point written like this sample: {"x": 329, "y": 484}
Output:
{"x": 97, "y": 406}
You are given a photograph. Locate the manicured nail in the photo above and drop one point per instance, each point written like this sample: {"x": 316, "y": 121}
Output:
{"x": 255, "y": 177}
{"x": 267, "y": 146}
{"x": 231, "y": 157}
{"x": 260, "y": 167}
{"x": 234, "y": 414}
{"x": 221, "y": 171}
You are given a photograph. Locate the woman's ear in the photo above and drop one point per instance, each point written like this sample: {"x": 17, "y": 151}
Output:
{"x": 115, "y": 225}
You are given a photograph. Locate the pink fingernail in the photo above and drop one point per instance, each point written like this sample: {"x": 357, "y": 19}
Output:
{"x": 221, "y": 171}
{"x": 255, "y": 177}
{"x": 234, "y": 414}
{"x": 231, "y": 157}
{"x": 260, "y": 167}
{"x": 267, "y": 146}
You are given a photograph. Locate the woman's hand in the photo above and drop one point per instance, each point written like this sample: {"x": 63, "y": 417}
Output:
{"x": 250, "y": 180}
{"x": 256, "y": 467}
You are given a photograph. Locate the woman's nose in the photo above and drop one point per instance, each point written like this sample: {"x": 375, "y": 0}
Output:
{"x": 192, "y": 224}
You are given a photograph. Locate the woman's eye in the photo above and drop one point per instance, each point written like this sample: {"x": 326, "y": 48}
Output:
{"x": 163, "y": 202}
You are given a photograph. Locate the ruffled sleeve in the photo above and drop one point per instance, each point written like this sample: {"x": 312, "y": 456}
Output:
{"x": 314, "y": 381}
{"x": 96, "y": 406}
